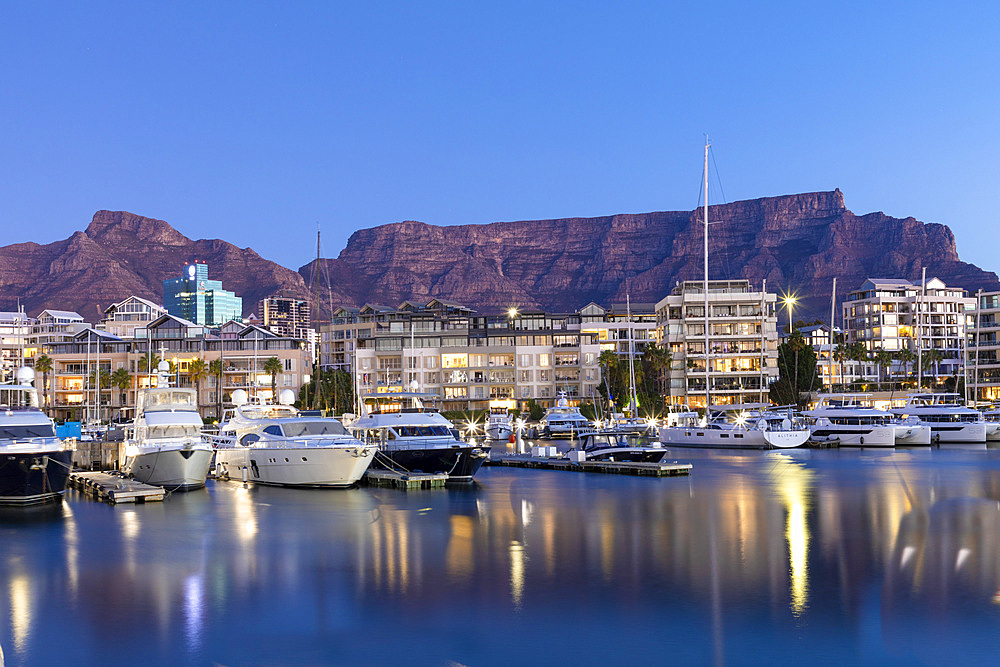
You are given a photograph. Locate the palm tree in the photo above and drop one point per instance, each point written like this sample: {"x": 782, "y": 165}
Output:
{"x": 148, "y": 362}
{"x": 197, "y": 371}
{"x": 935, "y": 357}
{"x": 883, "y": 359}
{"x": 215, "y": 370}
{"x": 43, "y": 365}
{"x": 907, "y": 357}
{"x": 857, "y": 352}
{"x": 608, "y": 360}
{"x": 839, "y": 355}
{"x": 121, "y": 379}
{"x": 272, "y": 367}
{"x": 656, "y": 359}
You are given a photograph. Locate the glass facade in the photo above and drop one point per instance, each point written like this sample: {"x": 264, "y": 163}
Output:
{"x": 196, "y": 298}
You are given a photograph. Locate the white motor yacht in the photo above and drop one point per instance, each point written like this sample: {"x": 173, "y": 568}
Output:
{"x": 499, "y": 425}
{"x": 34, "y": 463}
{"x": 911, "y": 432}
{"x": 273, "y": 444}
{"x": 164, "y": 446}
{"x": 562, "y": 420}
{"x": 746, "y": 426}
{"x": 946, "y": 415}
{"x": 850, "y": 420}
{"x": 992, "y": 417}
{"x": 414, "y": 438}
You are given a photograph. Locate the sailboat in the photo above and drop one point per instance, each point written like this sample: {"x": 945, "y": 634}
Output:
{"x": 751, "y": 426}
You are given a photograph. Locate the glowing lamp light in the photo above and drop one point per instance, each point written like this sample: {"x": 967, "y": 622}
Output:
{"x": 512, "y": 312}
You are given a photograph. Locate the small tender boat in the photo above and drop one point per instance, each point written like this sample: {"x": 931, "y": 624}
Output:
{"x": 616, "y": 446}
{"x": 499, "y": 425}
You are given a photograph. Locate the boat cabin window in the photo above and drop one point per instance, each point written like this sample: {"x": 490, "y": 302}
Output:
{"x": 318, "y": 427}
{"x": 13, "y": 432}
{"x": 273, "y": 430}
{"x": 421, "y": 431}
{"x": 18, "y": 397}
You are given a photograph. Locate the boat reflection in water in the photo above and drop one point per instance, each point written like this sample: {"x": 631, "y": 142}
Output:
{"x": 868, "y": 556}
{"x": 941, "y": 596}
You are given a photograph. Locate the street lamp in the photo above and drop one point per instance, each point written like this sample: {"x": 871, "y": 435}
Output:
{"x": 790, "y": 300}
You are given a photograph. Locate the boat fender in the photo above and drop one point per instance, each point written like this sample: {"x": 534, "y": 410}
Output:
{"x": 762, "y": 424}
{"x": 511, "y": 438}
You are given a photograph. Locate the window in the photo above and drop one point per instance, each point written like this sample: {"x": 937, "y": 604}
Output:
{"x": 543, "y": 360}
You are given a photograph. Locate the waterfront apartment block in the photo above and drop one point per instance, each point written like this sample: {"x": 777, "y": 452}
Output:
{"x": 195, "y": 298}
{"x": 742, "y": 336}
{"x": 469, "y": 360}
{"x": 72, "y": 391}
{"x": 15, "y": 330}
{"x": 123, "y": 318}
{"x": 984, "y": 349}
{"x": 896, "y": 315}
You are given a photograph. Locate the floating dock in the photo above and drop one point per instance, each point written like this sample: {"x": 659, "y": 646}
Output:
{"x": 405, "y": 480}
{"x": 663, "y": 469}
{"x": 115, "y": 489}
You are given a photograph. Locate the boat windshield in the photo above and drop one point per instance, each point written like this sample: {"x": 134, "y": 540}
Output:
{"x": 421, "y": 431}
{"x": 18, "y": 432}
{"x": 170, "y": 431}
{"x": 155, "y": 399}
{"x": 319, "y": 427}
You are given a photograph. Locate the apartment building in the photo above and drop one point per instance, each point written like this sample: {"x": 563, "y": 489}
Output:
{"x": 470, "y": 360}
{"x": 619, "y": 323}
{"x": 984, "y": 349}
{"x": 896, "y": 315}
{"x": 123, "y": 318}
{"x": 742, "y": 358}
{"x": 15, "y": 331}
{"x": 72, "y": 392}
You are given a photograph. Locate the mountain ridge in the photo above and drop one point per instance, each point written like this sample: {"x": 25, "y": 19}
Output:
{"x": 798, "y": 243}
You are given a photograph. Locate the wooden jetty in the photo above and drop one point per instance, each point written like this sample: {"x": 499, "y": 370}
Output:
{"x": 115, "y": 489}
{"x": 405, "y": 480}
{"x": 663, "y": 469}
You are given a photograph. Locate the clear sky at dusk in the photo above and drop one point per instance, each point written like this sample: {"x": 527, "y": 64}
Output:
{"x": 253, "y": 122}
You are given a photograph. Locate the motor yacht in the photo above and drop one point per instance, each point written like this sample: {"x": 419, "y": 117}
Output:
{"x": 563, "y": 421}
{"x": 738, "y": 426}
{"x": 499, "y": 425}
{"x": 413, "y": 438}
{"x": 611, "y": 445}
{"x": 946, "y": 415}
{"x": 274, "y": 445}
{"x": 992, "y": 417}
{"x": 850, "y": 420}
{"x": 164, "y": 446}
{"x": 34, "y": 463}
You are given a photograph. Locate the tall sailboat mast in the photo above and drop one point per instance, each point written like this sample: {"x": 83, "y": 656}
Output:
{"x": 631, "y": 358}
{"x": 708, "y": 390}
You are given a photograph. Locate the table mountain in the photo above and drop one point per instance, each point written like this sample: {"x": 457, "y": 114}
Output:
{"x": 796, "y": 242}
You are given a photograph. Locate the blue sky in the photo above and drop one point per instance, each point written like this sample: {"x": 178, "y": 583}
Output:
{"x": 253, "y": 122}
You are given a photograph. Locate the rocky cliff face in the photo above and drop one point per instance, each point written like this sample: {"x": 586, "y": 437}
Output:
{"x": 796, "y": 242}
{"x": 121, "y": 254}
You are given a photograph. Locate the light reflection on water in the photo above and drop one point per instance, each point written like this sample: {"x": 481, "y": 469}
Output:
{"x": 758, "y": 556}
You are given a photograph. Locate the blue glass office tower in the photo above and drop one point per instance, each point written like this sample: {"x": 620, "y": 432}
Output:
{"x": 202, "y": 301}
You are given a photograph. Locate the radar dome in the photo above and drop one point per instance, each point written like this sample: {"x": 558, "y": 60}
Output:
{"x": 25, "y": 376}
{"x": 240, "y": 397}
{"x": 163, "y": 366}
{"x": 414, "y": 385}
{"x": 286, "y": 397}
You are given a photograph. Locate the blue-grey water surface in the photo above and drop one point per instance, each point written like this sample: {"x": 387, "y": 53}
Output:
{"x": 829, "y": 556}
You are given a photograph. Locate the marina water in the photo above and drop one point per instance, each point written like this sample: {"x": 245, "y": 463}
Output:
{"x": 758, "y": 557}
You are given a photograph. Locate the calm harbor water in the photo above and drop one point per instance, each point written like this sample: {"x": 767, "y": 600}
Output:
{"x": 757, "y": 557}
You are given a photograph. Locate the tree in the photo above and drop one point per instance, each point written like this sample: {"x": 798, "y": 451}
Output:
{"x": 883, "y": 359}
{"x": 933, "y": 357}
{"x": 215, "y": 370}
{"x": 839, "y": 355}
{"x": 272, "y": 367}
{"x": 148, "y": 362}
{"x": 656, "y": 361}
{"x": 43, "y": 365}
{"x": 197, "y": 371}
{"x": 796, "y": 371}
{"x": 121, "y": 379}
{"x": 907, "y": 358}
